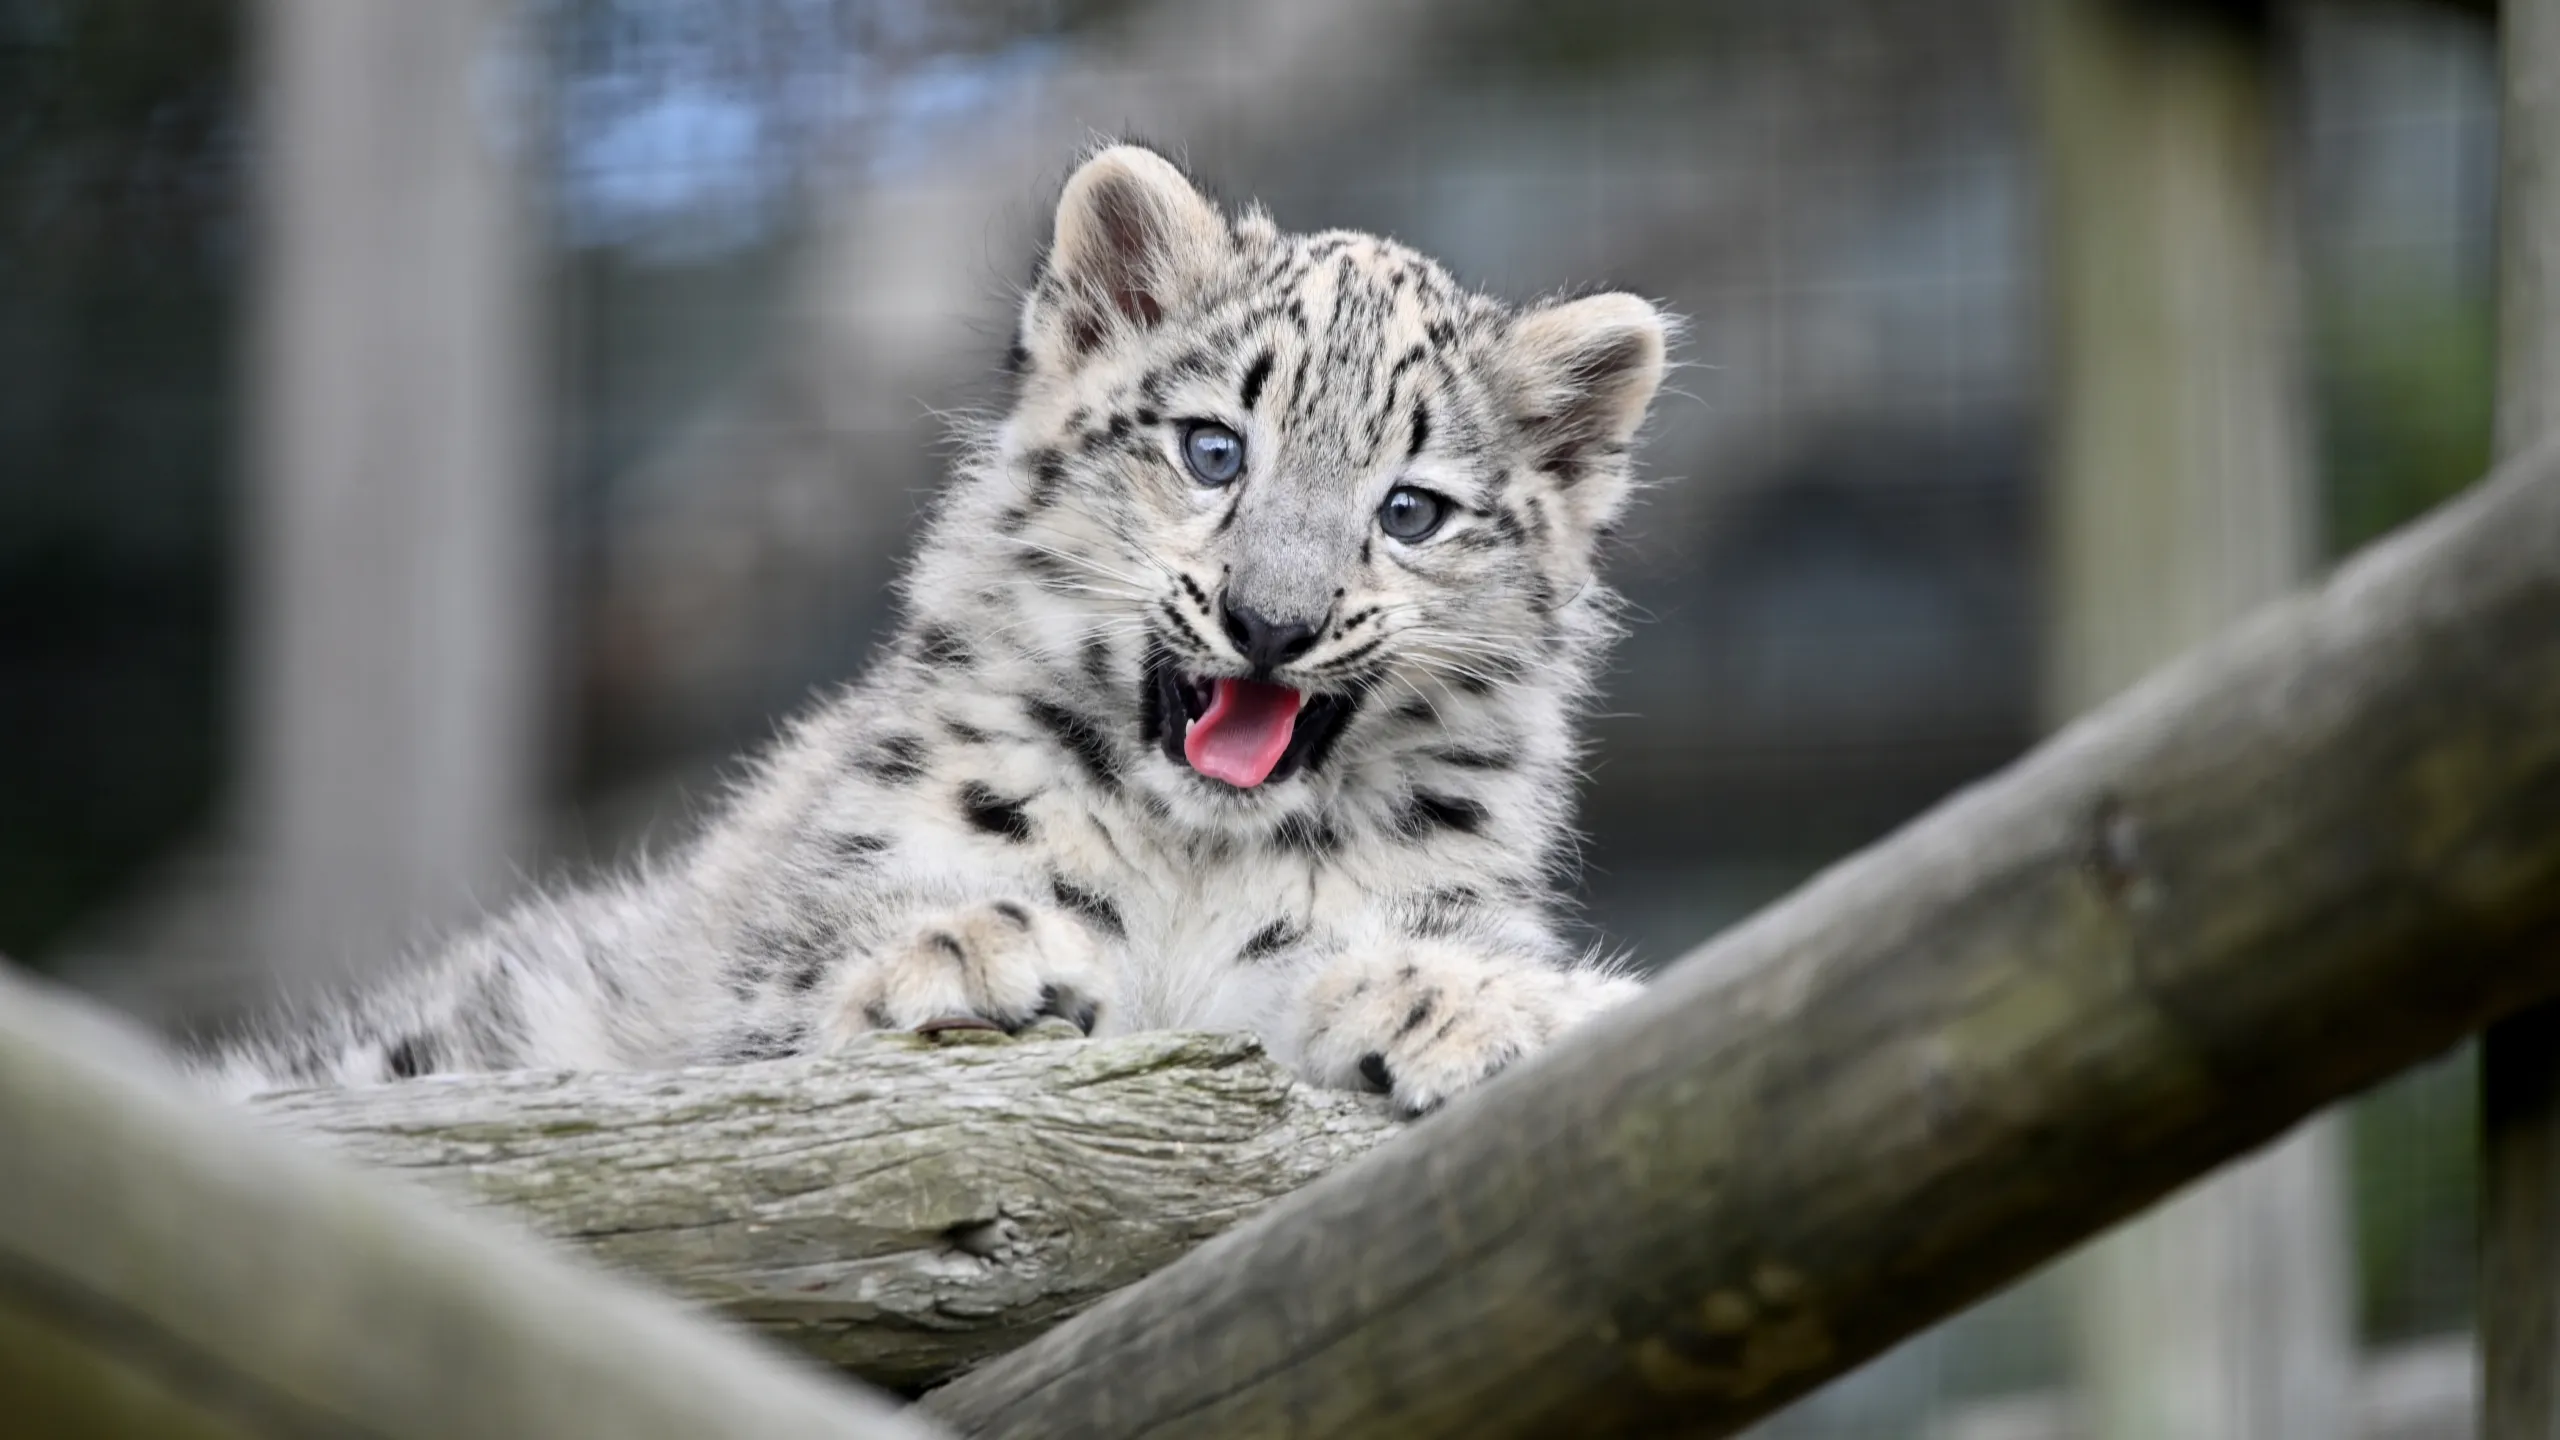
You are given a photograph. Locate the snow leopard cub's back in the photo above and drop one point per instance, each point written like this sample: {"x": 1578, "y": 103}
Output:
{"x": 1237, "y": 686}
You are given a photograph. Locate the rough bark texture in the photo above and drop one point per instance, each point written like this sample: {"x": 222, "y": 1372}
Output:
{"x": 902, "y": 1212}
{"x": 2285, "y": 867}
{"x": 167, "y": 1271}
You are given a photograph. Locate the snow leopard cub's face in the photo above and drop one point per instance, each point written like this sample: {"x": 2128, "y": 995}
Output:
{"x": 1295, "y": 504}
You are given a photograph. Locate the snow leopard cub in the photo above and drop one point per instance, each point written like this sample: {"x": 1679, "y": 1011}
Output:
{"x": 1236, "y": 688}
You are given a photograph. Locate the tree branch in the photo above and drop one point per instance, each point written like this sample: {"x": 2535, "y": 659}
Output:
{"x": 2301, "y": 859}
{"x": 904, "y": 1211}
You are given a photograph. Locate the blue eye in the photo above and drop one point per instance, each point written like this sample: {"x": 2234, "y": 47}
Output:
{"x": 1411, "y": 514}
{"x": 1214, "y": 452}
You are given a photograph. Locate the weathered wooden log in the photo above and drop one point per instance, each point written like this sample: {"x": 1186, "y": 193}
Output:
{"x": 166, "y": 1270}
{"x": 903, "y": 1211}
{"x": 2317, "y": 851}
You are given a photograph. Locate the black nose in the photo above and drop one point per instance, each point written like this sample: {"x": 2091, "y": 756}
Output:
{"x": 1268, "y": 643}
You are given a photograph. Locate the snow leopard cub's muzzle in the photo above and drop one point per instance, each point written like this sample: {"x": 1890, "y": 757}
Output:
{"x": 1247, "y": 679}
{"x": 1249, "y": 725}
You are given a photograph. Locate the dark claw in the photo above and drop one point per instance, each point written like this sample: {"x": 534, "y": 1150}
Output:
{"x": 1373, "y": 1069}
{"x": 1068, "y": 1006}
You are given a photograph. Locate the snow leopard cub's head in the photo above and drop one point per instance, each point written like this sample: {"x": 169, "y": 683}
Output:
{"x": 1277, "y": 510}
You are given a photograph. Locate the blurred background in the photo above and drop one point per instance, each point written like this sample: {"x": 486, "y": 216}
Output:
{"x": 435, "y": 438}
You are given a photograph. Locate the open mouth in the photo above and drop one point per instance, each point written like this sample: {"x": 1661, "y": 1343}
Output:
{"x": 1236, "y": 731}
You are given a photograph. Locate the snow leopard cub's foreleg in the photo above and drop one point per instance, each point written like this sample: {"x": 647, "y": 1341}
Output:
{"x": 1005, "y": 962}
{"x": 1424, "y": 1010}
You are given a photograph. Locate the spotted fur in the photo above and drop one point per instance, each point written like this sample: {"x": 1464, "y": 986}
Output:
{"x": 996, "y": 821}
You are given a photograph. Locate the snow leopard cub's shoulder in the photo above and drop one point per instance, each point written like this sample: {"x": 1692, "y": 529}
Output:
{"x": 1237, "y": 687}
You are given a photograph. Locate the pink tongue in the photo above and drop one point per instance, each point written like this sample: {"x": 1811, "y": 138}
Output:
{"x": 1243, "y": 732}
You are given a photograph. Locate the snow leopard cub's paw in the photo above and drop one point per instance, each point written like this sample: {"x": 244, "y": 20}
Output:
{"x": 1003, "y": 962}
{"x": 1428, "y": 1019}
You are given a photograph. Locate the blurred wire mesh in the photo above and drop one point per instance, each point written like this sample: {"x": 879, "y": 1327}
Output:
{"x": 776, "y": 245}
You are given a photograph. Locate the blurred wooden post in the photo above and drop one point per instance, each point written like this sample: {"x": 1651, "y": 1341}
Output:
{"x": 2180, "y": 500}
{"x": 2520, "y": 1059}
{"x": 392, "y": 622}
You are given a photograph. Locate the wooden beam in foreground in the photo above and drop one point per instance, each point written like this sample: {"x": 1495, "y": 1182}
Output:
{"x": 166, "y": 1270}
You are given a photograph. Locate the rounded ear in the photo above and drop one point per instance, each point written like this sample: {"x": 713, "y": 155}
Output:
{"x": 1585, "y": 371}
{"x": 1132, "y": 237}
